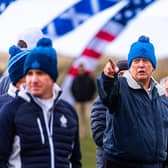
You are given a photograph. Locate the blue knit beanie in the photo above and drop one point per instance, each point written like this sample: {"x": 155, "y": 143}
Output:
{"x": 16, "y": 63}
{"x": 142, "y": 49}
{"x": 43, "y": 57}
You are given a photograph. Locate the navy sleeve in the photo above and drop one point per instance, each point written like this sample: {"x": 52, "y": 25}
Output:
{"x": 108, "y": 90}
{"x": 98, "y": 121}
{"x": 4, "y": 84}
{"x": 7, "y": 130}
{"x": 76, "y": 154}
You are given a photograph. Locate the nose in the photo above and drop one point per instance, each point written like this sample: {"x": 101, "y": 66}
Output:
{"x": 34, "y": 77}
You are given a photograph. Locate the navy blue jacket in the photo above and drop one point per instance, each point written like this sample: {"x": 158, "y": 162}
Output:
{"x": 83, "y": 88}
{"x": 9, "y": 95}
{"x": 4, "y": 84}
{"x": 98, "y": 125}
{"x": 140, "y": 124}
{"x": 98, "y": 121}
{"x": 24, "y": 131}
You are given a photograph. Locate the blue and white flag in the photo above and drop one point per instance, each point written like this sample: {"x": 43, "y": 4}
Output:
{"x": 4, "y": 4}
{"x": 75, "y": 15}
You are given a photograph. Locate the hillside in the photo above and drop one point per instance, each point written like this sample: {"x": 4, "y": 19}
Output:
{"x": 64, "y": 63}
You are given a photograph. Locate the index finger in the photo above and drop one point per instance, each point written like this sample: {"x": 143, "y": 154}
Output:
{"x": 113, "y": 65}
{"x": 111, "y": 62}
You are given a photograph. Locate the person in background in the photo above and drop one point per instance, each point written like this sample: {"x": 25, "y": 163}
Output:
{"x": 164, "y": 83}
{"x": 139, "y": 107}
{"x": 26, "y": 41}
{"x": 16, "y": 75}
{"x": 43, "y": 127}
{"x": 101, "y": 122}
{"x": 83, "y": 89}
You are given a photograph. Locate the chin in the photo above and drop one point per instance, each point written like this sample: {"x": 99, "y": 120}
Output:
{"x": 141, "y": 77}
{"x": 35, "y": 93}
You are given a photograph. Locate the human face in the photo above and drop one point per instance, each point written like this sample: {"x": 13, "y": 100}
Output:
{"x": 141, "y": 69}
{"x": 39, "y": 83}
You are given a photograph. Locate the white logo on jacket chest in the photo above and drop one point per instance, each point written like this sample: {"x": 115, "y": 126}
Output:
{"x": 63, "y": 121}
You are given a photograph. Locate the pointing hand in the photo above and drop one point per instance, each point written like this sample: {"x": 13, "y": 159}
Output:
{"x": 110, "y": 69}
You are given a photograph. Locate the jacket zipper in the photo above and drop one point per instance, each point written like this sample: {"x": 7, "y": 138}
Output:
{"x": 50, "y": 138}
{"x": 41, "y": 131}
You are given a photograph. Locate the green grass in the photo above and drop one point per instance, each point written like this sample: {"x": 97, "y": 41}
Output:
{"x": 88, "y": 149}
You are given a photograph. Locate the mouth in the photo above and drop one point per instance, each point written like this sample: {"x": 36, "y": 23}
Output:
{"x": 35, "y": 87}
{"x": 141, "y": 73}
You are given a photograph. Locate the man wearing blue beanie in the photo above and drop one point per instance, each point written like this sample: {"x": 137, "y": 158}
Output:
{"x": 16, "y": 73}
{"x": 140, "y": 110}
{"x": 42, "y": 127}
{"x": 142, "y": 49}
{"x": 27, "y": 40}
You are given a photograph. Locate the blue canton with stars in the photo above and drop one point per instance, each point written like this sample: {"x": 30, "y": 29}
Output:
{"x": 129, "y": 11}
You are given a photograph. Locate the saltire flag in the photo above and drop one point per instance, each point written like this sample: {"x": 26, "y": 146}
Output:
{"x": 109, "y": 32}
{"x": 4, "y": 4}
{"x": 75, "y": 16}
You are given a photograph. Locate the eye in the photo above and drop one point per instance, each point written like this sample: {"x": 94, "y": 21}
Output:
{"x": 29, "y": 73}
{"x": 41, "y": 72}
{"x": 145, "y": 60}
{"x": 136, "y": 60}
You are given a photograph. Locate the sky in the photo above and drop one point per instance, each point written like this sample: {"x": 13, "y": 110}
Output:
{"x": 23, "y": 14}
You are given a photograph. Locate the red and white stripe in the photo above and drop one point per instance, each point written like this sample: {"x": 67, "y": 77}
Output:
{"x": 91, "y": 55}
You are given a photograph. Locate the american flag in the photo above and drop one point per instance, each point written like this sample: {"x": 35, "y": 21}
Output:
{"x": 109, "y": 32}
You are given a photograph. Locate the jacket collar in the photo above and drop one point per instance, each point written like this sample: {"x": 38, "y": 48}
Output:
{"x": 26, "y": 95}
{"x": 12, "y": 91}
{"x": 135, "y": 85}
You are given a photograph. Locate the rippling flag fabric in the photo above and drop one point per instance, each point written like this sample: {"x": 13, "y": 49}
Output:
{"x": 75, "y": 16}
{"x": 94, "y": 49}
{"x": 4, "y": 4}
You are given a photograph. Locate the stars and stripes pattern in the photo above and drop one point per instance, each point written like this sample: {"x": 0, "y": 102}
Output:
{"x": 75, "y": 16}
{"x": 110, "y": 30}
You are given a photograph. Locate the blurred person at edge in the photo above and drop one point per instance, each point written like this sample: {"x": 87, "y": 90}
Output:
{"x": 83, "y": 89}
{"x": 101, "y": 122}
{"x": 16, "y": 74}
{"x": 164, "y": 83}
{"x": 43, "y": 127}
{"x": 15, "y": 71}
{"x": 26, "y": 41}
{"x": 139, "y": 107}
